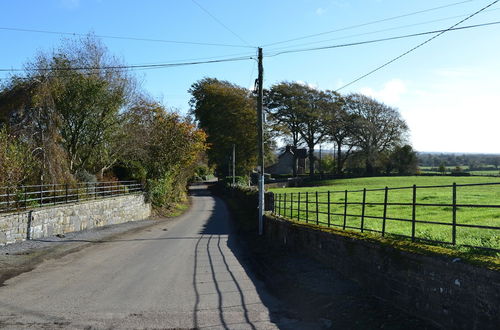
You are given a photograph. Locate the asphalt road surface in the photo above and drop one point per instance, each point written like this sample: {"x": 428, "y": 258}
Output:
{"x": 188, "y": 273}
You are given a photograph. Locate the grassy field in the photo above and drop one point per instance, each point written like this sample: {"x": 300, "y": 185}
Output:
{"x": 433, "y": 170}
{"x": 483, "y": 195}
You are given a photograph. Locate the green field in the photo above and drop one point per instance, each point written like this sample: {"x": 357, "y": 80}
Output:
{"x": 486, "y": 172}
{"x": 479, "y": 195}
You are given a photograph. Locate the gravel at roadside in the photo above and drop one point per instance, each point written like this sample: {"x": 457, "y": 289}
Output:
{"x": 84, "y": 236}
{"x": 23, "y": 256}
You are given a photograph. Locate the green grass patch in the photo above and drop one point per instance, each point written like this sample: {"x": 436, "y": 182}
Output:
{"x": 468, "y": 255}
{"x": 479, "y": 195}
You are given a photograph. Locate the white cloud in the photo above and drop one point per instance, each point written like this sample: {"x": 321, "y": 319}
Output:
{"x": 390, "y": 93}
{"x": 320, "y": 11}
{"x": 310, "y": 85}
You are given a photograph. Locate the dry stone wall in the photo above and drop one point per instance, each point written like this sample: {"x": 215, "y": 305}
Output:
{"x": 446, "y": 291}
{"x": 49, "y": 221}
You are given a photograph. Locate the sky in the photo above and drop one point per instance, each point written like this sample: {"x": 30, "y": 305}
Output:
{"x": 448, "y": 90}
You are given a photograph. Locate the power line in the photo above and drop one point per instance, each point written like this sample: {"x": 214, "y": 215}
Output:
{"x": 417, "y": 46}
{"x": 201, "y": 58}
{"x": 222, "y": 24}
{"x": 377, "y": 31}
{"x": 135, "y": 67}
{"x": 125, "y": 38}
{"x": 368, "y": 23}
{"x": 382, "y": 39}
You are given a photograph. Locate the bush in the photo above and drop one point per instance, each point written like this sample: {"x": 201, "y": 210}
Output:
{"x": 165, "y": 192}
{"x": 241, "y": 181}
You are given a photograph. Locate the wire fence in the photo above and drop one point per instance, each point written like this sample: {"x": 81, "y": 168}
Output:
{"x": 457, "y": 214}
{"x": 18, "y": 198}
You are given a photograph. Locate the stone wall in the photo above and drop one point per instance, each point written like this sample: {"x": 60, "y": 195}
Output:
{"x": 450, "y": 293}
{"x": 49, "y": 221}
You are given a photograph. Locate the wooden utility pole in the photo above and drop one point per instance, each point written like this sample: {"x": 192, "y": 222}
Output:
{"x": 260, "y": 123}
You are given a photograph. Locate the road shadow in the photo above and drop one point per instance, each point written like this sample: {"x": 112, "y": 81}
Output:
{"x": 300, "y": 292}
{"x": 218, "y": 247}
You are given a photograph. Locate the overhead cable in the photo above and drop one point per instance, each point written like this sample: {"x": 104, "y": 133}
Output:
{"x": 222, "y": 24}
{"x": 368, "y": 23}
{"x": 126, "y": 38}
{"x": 381, "y": 39}
{"x": 417, "y": 46}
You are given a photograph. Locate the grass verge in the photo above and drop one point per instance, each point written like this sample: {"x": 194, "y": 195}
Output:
{"x": 490, "y": 262}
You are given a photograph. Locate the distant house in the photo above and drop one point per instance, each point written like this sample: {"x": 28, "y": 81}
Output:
{"x": 286, "y": 162}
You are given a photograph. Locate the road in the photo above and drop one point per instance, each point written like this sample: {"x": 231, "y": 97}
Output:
{"x": 188, "y": 273}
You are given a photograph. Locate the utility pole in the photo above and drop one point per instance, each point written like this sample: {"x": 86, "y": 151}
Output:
{"x": 260, "y": 123}
{"x": 234, "y": 165}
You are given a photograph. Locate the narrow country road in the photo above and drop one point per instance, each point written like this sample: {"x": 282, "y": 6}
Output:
{"x": 183, "y": 274}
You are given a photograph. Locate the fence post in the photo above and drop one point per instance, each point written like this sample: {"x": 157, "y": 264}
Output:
{"x": 54, "y": 192}
{"x": 95, "y": 189}
{"x": 317, "y": 209}
{"x": 298, "y": 208}
{"x": 284, "y": 205}
{"x": 345, "y": 210}
{"x": 66, "y": 193}
{"x": 363, "y": 211}
{"x": 328, "y": 209}
{"x": 291, "y": 205}
{"x": 280, "y": 201}
{"x": 8, "y": 198}
{"x": 307, "y": 207}
{"x": 413, "y": 212}
{"x": 454, "y": 216}
{"x": 385, "y": 210}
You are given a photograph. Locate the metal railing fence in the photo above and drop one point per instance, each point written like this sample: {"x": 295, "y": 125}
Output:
{"x": 18, "y": 198}
{"x": 403, "y": 212}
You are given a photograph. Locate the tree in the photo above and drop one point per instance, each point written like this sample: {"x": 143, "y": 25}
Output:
{"x": 404, "y": 160}
{"x": 226, "y": 112}
{"x": 442, "y": 168}
{"x": 379, "y": 128}
{"x": 283, "y": 103}
{"x": 341, "y": 127}
{"x": 163, "y": 150}
{"x": 16, "y": 160}
{"x": 67, "y": 102}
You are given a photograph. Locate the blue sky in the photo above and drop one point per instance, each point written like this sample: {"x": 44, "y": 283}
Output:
{"x": 448, "y": 91}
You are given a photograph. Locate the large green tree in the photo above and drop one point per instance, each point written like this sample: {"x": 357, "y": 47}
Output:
{"x": 227, "y": 113}
{"x": 379, "y": 128}
{"x": 284, "y": 102}
{"x": 67, "y": 104}
{"x": 341, "y": 126}
{"x": 313, "y": 120}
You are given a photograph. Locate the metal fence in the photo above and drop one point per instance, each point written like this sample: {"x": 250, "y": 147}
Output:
{"x": 20, "y": 198}
{"x": 405, "y": 212}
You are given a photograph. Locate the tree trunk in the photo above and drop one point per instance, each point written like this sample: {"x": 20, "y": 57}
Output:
{"x": 311, "y": 161}
{"x": 339, "y": 159}
{"x": 369, "y": 167}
